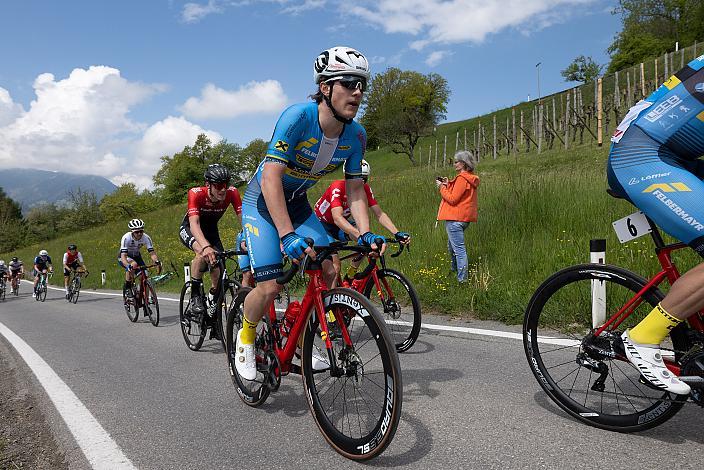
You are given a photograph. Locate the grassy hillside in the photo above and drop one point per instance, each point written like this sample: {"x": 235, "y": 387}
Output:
{"x": 536, "y": 215}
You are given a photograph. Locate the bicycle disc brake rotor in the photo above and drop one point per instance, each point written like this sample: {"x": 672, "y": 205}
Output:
{"x": 392, "y": 307}
{"x": 352, "y": 364}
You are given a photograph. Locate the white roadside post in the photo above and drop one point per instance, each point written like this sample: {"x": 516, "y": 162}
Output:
{"x": 103, "y": 277}
{"x": 597, "y": 253}
{"x": 186, "y": 272}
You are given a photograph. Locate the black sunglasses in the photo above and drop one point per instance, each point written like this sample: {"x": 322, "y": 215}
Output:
{"x": 351, "y": 83}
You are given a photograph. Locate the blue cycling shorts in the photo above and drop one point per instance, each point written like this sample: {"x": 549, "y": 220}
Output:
{"x": 667, "y": 188}
{"x": 263, "y": 243}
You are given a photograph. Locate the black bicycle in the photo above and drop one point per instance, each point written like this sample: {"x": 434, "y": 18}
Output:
{"x": 74, "y": 285}
{"x": 194, "y": 327}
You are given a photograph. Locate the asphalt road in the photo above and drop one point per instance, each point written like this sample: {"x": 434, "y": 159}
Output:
{"x": 469, "y": 401}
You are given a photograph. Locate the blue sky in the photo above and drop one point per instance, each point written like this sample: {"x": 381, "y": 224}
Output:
{"x": 108, "y": 87}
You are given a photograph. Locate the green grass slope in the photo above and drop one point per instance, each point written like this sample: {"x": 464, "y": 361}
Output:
{"x": 537, "y": 214}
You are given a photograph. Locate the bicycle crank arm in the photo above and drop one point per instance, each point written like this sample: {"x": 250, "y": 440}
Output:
{"x": 693, "y": 380}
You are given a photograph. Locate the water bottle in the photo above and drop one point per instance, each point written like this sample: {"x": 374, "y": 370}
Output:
{"x": 292, "y": 312}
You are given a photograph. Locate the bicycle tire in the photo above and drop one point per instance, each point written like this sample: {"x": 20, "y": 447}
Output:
{"x": 557, "y": 363}
{"x": 130, "y": 304}
{"x": 374, "y": 353}
{"x": 152, "y": 305}
{"x": 192, "y": 329}
{"x": 75, "y": 289}
{"x": 220, "y": 317}
{"x": 3, "y": 288}
{"x": 397, "y": 320}
{"x": 42, "y": 292}
{"x": 252, "y": 393}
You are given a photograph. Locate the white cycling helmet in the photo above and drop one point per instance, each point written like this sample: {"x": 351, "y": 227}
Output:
{"x": 2, "y": 262}
{"x": 43, "y": 253}
{"x": 366, "y": 169}
{"x": 135, "y": 224}
{"x": 338, "y": 61}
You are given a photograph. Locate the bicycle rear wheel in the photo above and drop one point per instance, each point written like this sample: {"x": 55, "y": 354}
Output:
{"x": 152, "y": 305}
{"x": 357, "y": 403}
{"x": 589, "y": 377}
{"x": 193, "y": 327}
{"x": 398, "y": 303}
{"x": 251, "y": 392}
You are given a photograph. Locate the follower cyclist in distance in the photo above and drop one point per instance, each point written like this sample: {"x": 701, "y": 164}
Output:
{"x": 130, "y": 255}
{"x": 4, "y": 270}
{"x": 654, "y": 163}
{"x": 42, "y": 264}
{"x": 73, "y": 259}
{"x": 16, "y": 271}
{"x": 199, "y": 228}
{"x": 333, "y": 212}
{"x": 309, "y": 141}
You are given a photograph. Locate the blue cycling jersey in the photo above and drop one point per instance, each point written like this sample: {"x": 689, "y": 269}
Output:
{"x": 298, "y": 142}
{"x": 676, "y": 117}
{"x": 41, "y": 262}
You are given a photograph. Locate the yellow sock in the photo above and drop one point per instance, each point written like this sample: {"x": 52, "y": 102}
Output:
{"x": 351, "y": 271}
{"x": 249, "y": 331}
{"x": 654, "y": 328}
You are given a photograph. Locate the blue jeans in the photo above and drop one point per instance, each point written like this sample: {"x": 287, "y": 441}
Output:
{"x": 456, "y": 249}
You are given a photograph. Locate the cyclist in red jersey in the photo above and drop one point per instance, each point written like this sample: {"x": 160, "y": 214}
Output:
{"x": 334, "y": 213}
{"x": 199, "y": 229}
{"x": 73, "y": 259}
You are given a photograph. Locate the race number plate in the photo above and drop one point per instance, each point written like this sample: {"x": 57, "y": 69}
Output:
{"x": 631, "y": 227}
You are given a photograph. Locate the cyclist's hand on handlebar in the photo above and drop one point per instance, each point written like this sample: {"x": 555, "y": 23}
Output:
{"x": 375, "y": 242}
{"x": 403, "y": 237}
{"x": 295, "y": 246}
{"x": 209, "y": 254}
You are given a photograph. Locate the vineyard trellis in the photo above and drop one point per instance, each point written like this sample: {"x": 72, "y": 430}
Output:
{"x": 583, "y": 114}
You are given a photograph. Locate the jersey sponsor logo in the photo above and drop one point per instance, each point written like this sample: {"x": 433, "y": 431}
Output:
{"x": 667, "y": 187}
{"x": 678, "y": 210}
{"x": 335, "y": 193}
{"x": 672, "y": 82}
{"x": 662, "y": 109}
{"x": 642, "y": 179}
{"x": 699, "y": 87}
{"x": 302, "y": 175}
{"x": 306, "y": 143}
{"x": 281, "y": 146}
{"x": 700, "y": 116}
{"x": 323, "y": 207}
{"x": 196, "y": 190}
{"x": 304, "y": 161}
{"x": 252, "y": 229}
{"x": 344, "y": 147}
{"x": 292, "y": 127}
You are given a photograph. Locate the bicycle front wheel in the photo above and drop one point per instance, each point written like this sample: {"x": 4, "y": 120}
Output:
{"x": 42, "y": 293}
{"x": 130, "y": 305}
{"x": 587, "y": 376}
{"x": 397, "y": 301}
{"x": 75, "y": 289}
{"x": 354, "y": 389}
{"x": 152, "y": 305}
{"x": 193, "y": 326}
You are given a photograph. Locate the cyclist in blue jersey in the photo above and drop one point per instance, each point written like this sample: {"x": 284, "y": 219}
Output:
{"x": 310, "y": 140}
{"x": 42, "y": 264}
{"x": 654, "y": 163}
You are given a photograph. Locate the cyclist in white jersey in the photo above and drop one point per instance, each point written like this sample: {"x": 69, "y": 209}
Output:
{"x": 130, "y": 255}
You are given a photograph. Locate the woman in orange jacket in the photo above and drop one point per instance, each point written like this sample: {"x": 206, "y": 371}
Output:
{"x": 458, "y": 208}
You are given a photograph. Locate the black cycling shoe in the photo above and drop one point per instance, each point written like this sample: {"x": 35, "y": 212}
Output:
{"x": 214, "y": 333}
{"x": 197, "y": 306}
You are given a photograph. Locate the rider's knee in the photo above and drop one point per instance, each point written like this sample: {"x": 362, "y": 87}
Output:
{"x": 269, "y": 289}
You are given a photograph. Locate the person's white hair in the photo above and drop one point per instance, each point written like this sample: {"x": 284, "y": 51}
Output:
{"x": 465, "y": 157}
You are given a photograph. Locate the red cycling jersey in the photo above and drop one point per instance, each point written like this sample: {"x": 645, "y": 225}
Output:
{"x": 210, "y": 212}
{"x": 336, "y": 196}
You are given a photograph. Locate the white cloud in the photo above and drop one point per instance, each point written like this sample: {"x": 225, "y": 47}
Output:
{"x": 9, "y": 110}
{"x": 458, "y": 21}
{"x": 254, "y": 97}
{"x": 194, "y": 12}
{"x": 81, "y": 124}
{"x": 435, "y": 57}
{"x": 305, "y": 6}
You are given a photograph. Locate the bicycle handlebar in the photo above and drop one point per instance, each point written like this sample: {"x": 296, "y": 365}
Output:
{"x": 223, "y": 255}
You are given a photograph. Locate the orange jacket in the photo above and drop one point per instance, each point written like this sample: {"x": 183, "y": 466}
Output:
{"x": 459, "y": 198}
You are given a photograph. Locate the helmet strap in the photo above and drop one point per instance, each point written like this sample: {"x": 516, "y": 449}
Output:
{"x": 328, "y": 101}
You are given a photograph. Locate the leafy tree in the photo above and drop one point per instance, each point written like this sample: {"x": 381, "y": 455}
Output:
{"x": 403, "y": 106}
{"x": 582, "y": 69}
{"x": 251, "y": 156}
{"x": 652, "y": 27}
{"x": 184, "y": 169}
{"x": 11, "y": 226}
{"x": 84, "y": 212}
{"x": 43, "y": 222}
{"x": 127, "y": 202}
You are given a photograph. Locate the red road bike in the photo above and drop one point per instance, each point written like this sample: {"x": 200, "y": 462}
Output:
{"x": 143, "y": 296}
{"x": 349, "y": 365}
{"x": 392, "y": 294}
{"x": 584, "y": 369}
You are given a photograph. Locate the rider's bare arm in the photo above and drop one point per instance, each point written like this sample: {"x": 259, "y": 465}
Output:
{"x": 357, "y": 201}
{"x": 343, "y": 224}
{"x": 384, "y": 219}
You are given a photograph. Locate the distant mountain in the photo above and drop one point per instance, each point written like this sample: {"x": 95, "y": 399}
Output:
{"x": 34, "y": 187}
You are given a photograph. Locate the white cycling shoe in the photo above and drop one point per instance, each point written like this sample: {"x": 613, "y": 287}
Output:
{"x": 245, "y": 362}
{"x": 648, "y": 360}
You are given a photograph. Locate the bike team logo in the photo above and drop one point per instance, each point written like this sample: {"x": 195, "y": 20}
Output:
{"x": 667, "y": 187}
{"x": 281, "y": 146}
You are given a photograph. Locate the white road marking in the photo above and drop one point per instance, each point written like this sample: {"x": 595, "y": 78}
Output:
{"x": 101, "y": 451}
{"x": 429, "y": 326}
